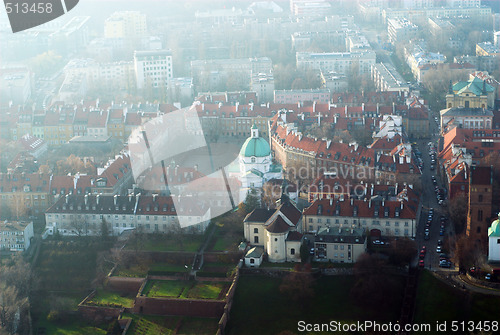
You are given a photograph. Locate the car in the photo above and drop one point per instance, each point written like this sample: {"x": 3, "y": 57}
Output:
{"x": 311, "y": 251}
{"x": 443, "y": 256}
{"x": 441, "y": 202}
{"x": 426, "y": 237}
{"x": 432, "y": 167}
{"x": 421, "y": 263}
{"x": 445, "y": 264}
{"x": 488, "y": 276}
{"x": 441, "y": 233}
{"x": 438, "y": 249}
{"x": 378, "y": 242}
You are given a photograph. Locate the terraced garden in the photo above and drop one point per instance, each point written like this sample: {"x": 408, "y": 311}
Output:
{"x": 184, "y": 289}
{"x": 106, "y": 298}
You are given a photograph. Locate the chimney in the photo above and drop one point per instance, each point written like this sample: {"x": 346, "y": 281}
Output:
{"x": 383, "y": 201}
{"x": 86, "y": 197}
{"x": 370, "y": 203}
{"x": 352, "y": 201}
{"x": 331, "y": 201}
{"x": 67, "y": 198}
{"x": 396, "y": 188}
{"x": 97, "y": 199}
{"x": 401, "y": 205}
{"x": 115, "y": 199}
{"x": 130, "y": 198}
{"x": 154, "y": 197}
{"x": 363, "y": 107}
{"x": 372, "y": 191}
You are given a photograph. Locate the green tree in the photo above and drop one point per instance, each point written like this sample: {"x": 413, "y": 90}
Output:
{"x": 251, "y": 201}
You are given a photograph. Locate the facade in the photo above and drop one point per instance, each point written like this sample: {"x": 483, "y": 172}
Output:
{"x": 263, "y": 85}
{"x": 401, "y": 30}
{"x": 256, "y": 164}
{"x": 487, "y": 49}
{"x": 479, "y": 204}
{"x": 474, "y": 93}
{"x": 494, "y": 241}
{"x": 467, "y": 118}
{"x": 420, "y": 15}
{"x": 153, "y": 69}
{"x": 339, "y": 62}
{"x": 320, "y": 95}
{"x": 15, "y": 236}
{"x": 386, "y": 78}
{"x": 15, "y": 85}
{"x": 118, "y": 75}
{"x": 339, "y": 245}
{"x": 89, "y": 215}
{"x": 254, "y": 256}
{"x": 310, "y": 7}
{"x": 72, "y": 37}
{"x": 124, "y": 25}
{"x": 389, "y": 217}
{"x": 334, "y": 82}
{"x": 276, "y": 230}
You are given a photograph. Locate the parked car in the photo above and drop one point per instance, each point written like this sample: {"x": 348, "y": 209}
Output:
{"x": 421, "y": 263}
{"x": 438, "y": 249}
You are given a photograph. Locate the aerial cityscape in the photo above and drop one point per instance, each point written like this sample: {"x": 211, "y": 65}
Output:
{"x": 211, "y": 167}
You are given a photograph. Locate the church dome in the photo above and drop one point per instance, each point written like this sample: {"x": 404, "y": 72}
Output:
{"x": 255, "y": 146}
{"x": 494, "y": 230}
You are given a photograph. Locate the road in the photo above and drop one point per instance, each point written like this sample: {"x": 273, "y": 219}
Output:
{"x": 429, "y": 201}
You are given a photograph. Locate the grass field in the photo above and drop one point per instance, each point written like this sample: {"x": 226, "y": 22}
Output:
{"x": 437, "y": 301}
{"x": 186, "y": 243}
{"x": 140, "y": 271}
{"x": 258, "y": 299}
{"x": 71, "y": 326}
{"x": 183, "y": 289}
{"x": 154, "y": 325}
{"x": 111, "y": 299}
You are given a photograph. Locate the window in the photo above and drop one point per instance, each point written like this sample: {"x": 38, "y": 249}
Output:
{"x": 275, "y": 239}
{"x": 255, "y": 239}
{"x": 480, "y": 215}
{"x": 292, "y": 251}
{"x": 480, "y": 198}
{"x": 256, "y": 230}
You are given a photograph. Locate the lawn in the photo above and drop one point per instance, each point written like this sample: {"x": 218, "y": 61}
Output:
{"x": 111, "y": 299}
{"x": 71, "y": 326}
{"x": 183, "y": 289}
{"x": 432, "y": 295}
{"x": 273, "y": 312}
{"x": 140, "y": 271}
{"x": 186, "y": 243}
{"x": 153, "y": 325}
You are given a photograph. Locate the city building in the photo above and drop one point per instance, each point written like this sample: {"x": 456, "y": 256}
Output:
{"x": 310, "y": 7}
{"x": 15, "y": 85}
{"x": 388, "y": 217}
{"x": 181, "y": 89}
{"x": 473, "y": 93}
{"x": 420, "y": 15}
{"x": 339, "y": 62}
{"x": 263, "y": 85}
{"x": 125, "y": 25}
{"x": 334, "y": 82}
{"x": 15, "y": 236}
{"x": 72, "y": 37}
{"x": 153, "y": 69}
{"x": 91, "y": 215}
{"x": 386, "y": 78}
{"x": 276, "y": 230}
{"x": 401, "y": 30}
{"x": 467, "y": 118}
{"x": 479, "y": 204}
{"x": 320, "y": 95}
{"x": 334, "y": 39}
{"x": 487, "y": 49}
{"x": 342, "y": 245}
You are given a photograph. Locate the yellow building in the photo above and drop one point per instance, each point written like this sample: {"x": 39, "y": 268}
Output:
{"x": 126, "y": 24}
{"x": 474, "y": 93}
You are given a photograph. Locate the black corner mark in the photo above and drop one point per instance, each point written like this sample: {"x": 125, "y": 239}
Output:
{"x": 26, "y": 14}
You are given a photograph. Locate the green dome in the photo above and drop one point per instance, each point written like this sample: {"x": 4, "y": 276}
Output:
{"x": 494, "y": 230}
{"x": 255, "y": 147}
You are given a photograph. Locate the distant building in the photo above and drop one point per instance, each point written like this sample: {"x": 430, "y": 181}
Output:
{"x": 153, "y": 69}
{"x": 181, "y": 89}
{"x": 334, "y": 39}
{"x": 73, "y": 88}
{"x": 72, "y": 37}
{"x": 473, "y": 93}
{"x": 339, "y": 62}
{"x": 334, "y": 82}
{"x": 339, "y": 245}
{"x": 125, "y": 25}
{"x": 320, "y": 95}
{"x": 401, "y": 30}
{"x": 15, "y": 85}
{"x": 386, "y": 78}
{"x": 309, "y": 7}
{"x": 481, "y": 63}
{"x": 263, "y": 85}
{"x": 467, "y": 118}
{"x": 487, "y": 49}
{"x": 15, "y": 236}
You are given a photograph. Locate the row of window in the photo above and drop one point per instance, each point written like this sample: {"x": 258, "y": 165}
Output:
{"x": 354, "y": 221}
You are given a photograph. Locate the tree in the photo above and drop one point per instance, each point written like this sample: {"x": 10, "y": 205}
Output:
{"x": 402, "y": 251}
{"x": 251, "y": 201}
{"x": 304, "y": 252}
{"x": 270, "y": 193}
{"x": 466, "y": 254}
{"x": 104, "y": 230}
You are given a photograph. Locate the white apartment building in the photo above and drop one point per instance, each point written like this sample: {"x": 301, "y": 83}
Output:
{"x": 153, "y": 68}
{"x": 15, "y": 236}
{"x": 339, "y": 62}
{"x": 125, "y": 24}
